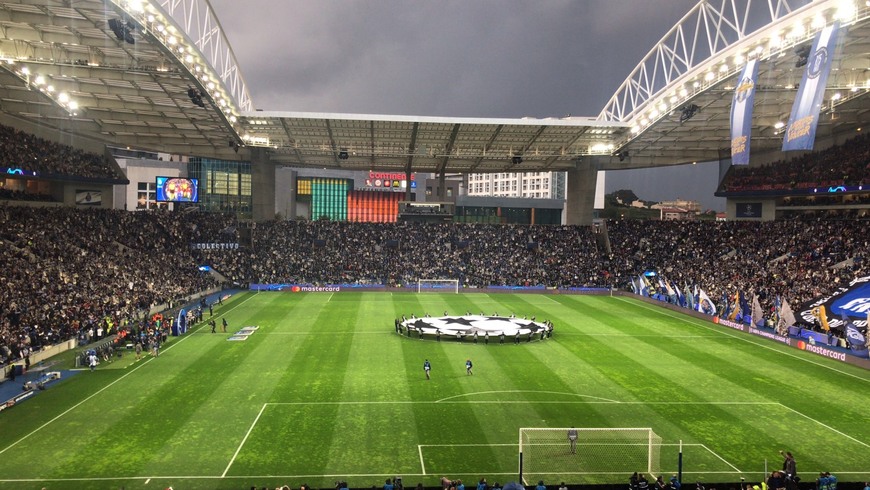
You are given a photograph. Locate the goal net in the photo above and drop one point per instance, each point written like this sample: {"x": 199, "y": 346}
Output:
{"x": 596, "y": 455}
{"x": 438, "y": 285}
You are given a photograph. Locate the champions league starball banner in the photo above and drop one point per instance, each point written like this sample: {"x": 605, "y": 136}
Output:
{"x": 804, "y": 118}
{"x": 741, "y": 113}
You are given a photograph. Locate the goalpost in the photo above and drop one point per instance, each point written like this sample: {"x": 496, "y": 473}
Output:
{"x": 438, "y": 285}
{"x": 598, "y": 455}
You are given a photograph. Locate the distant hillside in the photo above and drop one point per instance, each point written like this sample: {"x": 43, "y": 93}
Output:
{"x": 624, "y": 204}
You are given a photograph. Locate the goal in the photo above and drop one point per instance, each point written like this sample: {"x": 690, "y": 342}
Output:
{"x": 599, "y": 455}
{"x": 438, "y": 285}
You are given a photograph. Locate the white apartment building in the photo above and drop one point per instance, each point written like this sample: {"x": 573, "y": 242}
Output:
{"x": 534, "y": 185}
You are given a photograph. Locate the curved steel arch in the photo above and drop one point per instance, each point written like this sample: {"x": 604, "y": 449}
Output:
{"x": 700, "y": 35}
{"x": 197, "y": 20}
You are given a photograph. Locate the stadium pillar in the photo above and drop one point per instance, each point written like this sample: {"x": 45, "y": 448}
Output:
{"x": 580, "y": 192}
{"x": 262, "y": 185}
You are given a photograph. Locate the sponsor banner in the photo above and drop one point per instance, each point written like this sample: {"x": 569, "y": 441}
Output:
{"x": 310, "y": 288}
{"x": 741, "y": 113}
{"x": 89, "y": 198}
{"x": 770, "y": 335}
{"x": 748, "y": 210}
{"x": 390, "y": 180}
{"x": 822, "y": 351}
{"x": 801, "y": 132}
{"x": 729, "y": 324}
{"x": 20, "y": 171}
{"x": 853, "y": 300}
{"x": 214, "y": 246}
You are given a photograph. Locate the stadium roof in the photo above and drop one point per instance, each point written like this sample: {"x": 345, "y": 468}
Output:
{"x": 121, "y": 72}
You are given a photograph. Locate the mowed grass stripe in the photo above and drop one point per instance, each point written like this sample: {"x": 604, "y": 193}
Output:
{"x": 744, "y": 366}
{"x": 156, "y": 386}
{"x": 299, "y": 441}
{"x": 344, "y": 394}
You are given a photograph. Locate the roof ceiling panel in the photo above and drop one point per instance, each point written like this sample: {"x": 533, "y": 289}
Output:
{"x": 128, "y": 86}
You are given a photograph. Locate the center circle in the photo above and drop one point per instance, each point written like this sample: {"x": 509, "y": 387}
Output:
{"x": 474, "y": 326}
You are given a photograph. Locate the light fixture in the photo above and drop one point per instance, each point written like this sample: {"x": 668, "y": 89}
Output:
{"x": 688, "y": 112}
{"x": 803, "y": 55}
{"x": 342, "y": 154}
{"x": 123, "y": 30}
{"x": 517, "y": 159}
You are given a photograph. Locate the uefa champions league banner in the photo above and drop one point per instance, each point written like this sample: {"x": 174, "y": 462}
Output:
{"x": 804, "y": 118}
{"x": 741, "y": 113}
{"x": 851, "y": 302}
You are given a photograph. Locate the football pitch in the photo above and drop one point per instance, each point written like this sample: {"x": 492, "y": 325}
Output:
{"x": 326, "y": 390}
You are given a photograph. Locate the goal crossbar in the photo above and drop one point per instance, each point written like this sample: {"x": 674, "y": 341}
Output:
{"x": 438, "y": 285}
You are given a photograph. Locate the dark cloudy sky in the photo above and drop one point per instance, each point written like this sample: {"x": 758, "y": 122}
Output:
{"x": 462, "y": 58}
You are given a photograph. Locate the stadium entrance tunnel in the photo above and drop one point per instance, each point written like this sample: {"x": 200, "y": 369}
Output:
{"x": 475, "y": 328}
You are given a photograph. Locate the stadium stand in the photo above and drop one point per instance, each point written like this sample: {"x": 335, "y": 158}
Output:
{"x": 324, "y": 252}
{"x": 49, "y": 159}
{"x": 70, "y": 270}
{"x": 843, "y": 165}
{"x": 67, "y": 270}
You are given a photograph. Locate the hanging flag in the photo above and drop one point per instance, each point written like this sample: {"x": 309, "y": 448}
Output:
{"x": 642, "y": 284}
{"x": 724, "y": 306}
{"x": 736, "y": 311}
{"x": 741, "y": 113}
{"x": 757, "y": 314}
{"x": 744, "y": 306}
{"x": 681, "y": 296}
{"x": 853, "y": 333}
{"x": 801, "y": 132}
{"x": 690, "y": 298}
{"x": 821, "y": 316}
{"x": 786, "y": 318}
{"x": 705, "y": 304}
{"x": 777, "y": 312}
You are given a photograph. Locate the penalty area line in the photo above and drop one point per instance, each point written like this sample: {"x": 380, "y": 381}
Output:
{"x": 422, "y": 464}
{"x": 239, "y": 449}
{"x": 847, "y": 436}
{"x": 714, "y": 453}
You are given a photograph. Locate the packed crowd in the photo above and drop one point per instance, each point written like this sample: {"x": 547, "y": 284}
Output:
{"x": 69, "y": 270}
{"x": 19, "y": 149}
{"x": 72, "y": 273}
{"x": 847, "y": 164}
{"x": 326, "y": 252}
{"x": 10, "y": 195}
{"x": 791, "y": 259}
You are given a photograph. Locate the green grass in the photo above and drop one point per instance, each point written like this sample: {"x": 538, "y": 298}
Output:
{"x": 326, "y": 390}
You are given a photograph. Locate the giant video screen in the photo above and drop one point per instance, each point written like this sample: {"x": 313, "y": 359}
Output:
{"x": 177, "y": 189}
